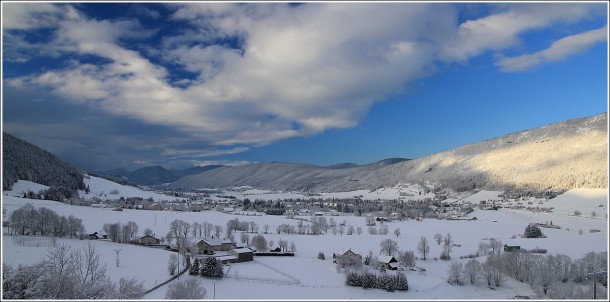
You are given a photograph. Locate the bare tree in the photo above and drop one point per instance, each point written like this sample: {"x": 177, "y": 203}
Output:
{"x": 293, "y": 247}
{"x": 217, "y": 231}
{"x": 148, "y": 232}
{"x": 253, "y": 227}
{"x": 384, "y": 229}
{"x": 397, "y": 232}
{"x": 483, "y": 248}
{"x": 389, "y": 246}
{"x": 438, "y": 238}
{"x": 423, "y": 247}
{"x": 130, "y": 289}
{"x": 259, "y": 243}
{"x": 472, "y": 270}
{"x": 207, "y": 229}
{"x": 455, "y": 272}
{"x": 266, "y": 228}
{"x": 188, "y": 289}
{"x": 359, "y": 230}
{"x": 495, "y": 245}
{"x": 283, "y": 245}
{"x": 487, "y": 272}
{"x": 172, "y": 264}
{"x": 196, "y": 227}
{"x": 407, "y": 258}
{"x": 90, "y": 273}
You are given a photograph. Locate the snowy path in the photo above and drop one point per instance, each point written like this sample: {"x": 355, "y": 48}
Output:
{"x": 188, "y": 266}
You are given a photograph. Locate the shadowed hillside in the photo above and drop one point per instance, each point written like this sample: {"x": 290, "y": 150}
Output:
{"x": 22, "y": 160}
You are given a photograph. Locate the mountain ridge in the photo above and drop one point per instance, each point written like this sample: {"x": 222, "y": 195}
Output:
{"x": 557, "y": 156}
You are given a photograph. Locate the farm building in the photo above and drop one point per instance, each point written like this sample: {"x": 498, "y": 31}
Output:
{"x": 96, "y": 236}
{"x": 511, "y": 248}
{"x": 212, "y": 245}
{"x": 243, "y": 254}
{"x": 348, "y": 258}
{"x": 149, "y": 240}
{"x": 389, "y": 262}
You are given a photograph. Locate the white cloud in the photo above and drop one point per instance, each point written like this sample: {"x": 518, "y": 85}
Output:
{"x": 501, "y": 30}
{"x": 31, "y": 15}
{"x": 194, "y": 153}
{"x": 559, "y": 50}
{"x": 299, "y": 70}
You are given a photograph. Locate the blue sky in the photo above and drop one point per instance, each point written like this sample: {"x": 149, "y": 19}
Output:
{"x": 133, "y": 84}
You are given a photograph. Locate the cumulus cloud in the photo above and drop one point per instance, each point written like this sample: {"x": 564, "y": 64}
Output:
{"x": 559, "y": 50}
{"x": 252, "y": 74}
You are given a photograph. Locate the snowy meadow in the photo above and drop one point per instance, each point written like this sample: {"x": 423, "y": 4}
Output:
{"x": 304, "y": 276}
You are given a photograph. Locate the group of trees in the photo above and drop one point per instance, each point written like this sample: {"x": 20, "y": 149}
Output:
{"x": 121, "y": 233}
{"x": 385, "y": 281}
{"x": 555, "y": 275}
{"x": 42, "y": 221}
{"x": 551, "y": 272}
{"x": 209, "y": 267}
{"x": 67, "y": 274}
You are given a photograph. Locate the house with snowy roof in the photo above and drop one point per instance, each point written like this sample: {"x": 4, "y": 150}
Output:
{"x": 389, "y": 262}
{"x": 207, "y": 245}
{"x": 348, "y": 258}
{"x": 149, "y": 240}
{"x": 243, "y": 254}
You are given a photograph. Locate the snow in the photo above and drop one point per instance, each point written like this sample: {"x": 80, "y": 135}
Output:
{"x": 306, "y": 277}
{"x": 101, "y": 188}
{"x": 23, "y": 186}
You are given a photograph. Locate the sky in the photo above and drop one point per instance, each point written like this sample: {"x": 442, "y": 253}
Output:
{"x": 128, "y": 85}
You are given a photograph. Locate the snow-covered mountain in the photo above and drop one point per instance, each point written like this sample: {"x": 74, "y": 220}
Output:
{"x": 153, "y": 175}
{"x": 561, "y": 156}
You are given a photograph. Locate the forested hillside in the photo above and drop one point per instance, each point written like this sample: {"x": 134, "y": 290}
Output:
{"x": 22, "y": 160}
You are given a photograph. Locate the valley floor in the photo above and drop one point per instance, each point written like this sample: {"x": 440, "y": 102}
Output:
{"x": 306, "y": 277}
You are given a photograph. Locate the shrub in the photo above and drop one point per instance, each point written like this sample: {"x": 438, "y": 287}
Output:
{"x": 532, "y": 231}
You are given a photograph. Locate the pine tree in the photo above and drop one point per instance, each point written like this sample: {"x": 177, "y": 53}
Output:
{"x": 195, "y": 267}
{"x": 212, "y": 268}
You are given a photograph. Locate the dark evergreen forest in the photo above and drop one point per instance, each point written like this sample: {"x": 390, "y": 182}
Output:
{"x": 22, "y": 160}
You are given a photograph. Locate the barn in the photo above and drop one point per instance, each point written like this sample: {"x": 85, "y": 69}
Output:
{"x": 243, "y": 254}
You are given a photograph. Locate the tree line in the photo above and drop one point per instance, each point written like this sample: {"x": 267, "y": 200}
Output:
{"x": 28, "y": 220}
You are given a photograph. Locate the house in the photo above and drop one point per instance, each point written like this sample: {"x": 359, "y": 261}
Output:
{"x": 149, "y": 240}
{"x": 348, "y": 258}
{"x": 243, "y": 254}
{"x": 389, "y": 262}
{"x": 228, "y": 210}
{"x": 213, "y": 244}
{"x": 511, "y": 248}
{"x": 276, "y": 250}
{"x": 155, "y": 207}
{"x": 95, "y": 236}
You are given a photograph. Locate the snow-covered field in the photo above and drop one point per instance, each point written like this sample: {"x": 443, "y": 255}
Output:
{"x": 306, "y": 277}
{"x": 397, "y": 192}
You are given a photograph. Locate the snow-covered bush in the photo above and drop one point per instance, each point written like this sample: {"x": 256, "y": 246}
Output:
{"x": 532, "y": 231}
{"x": 189, "y": 289}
